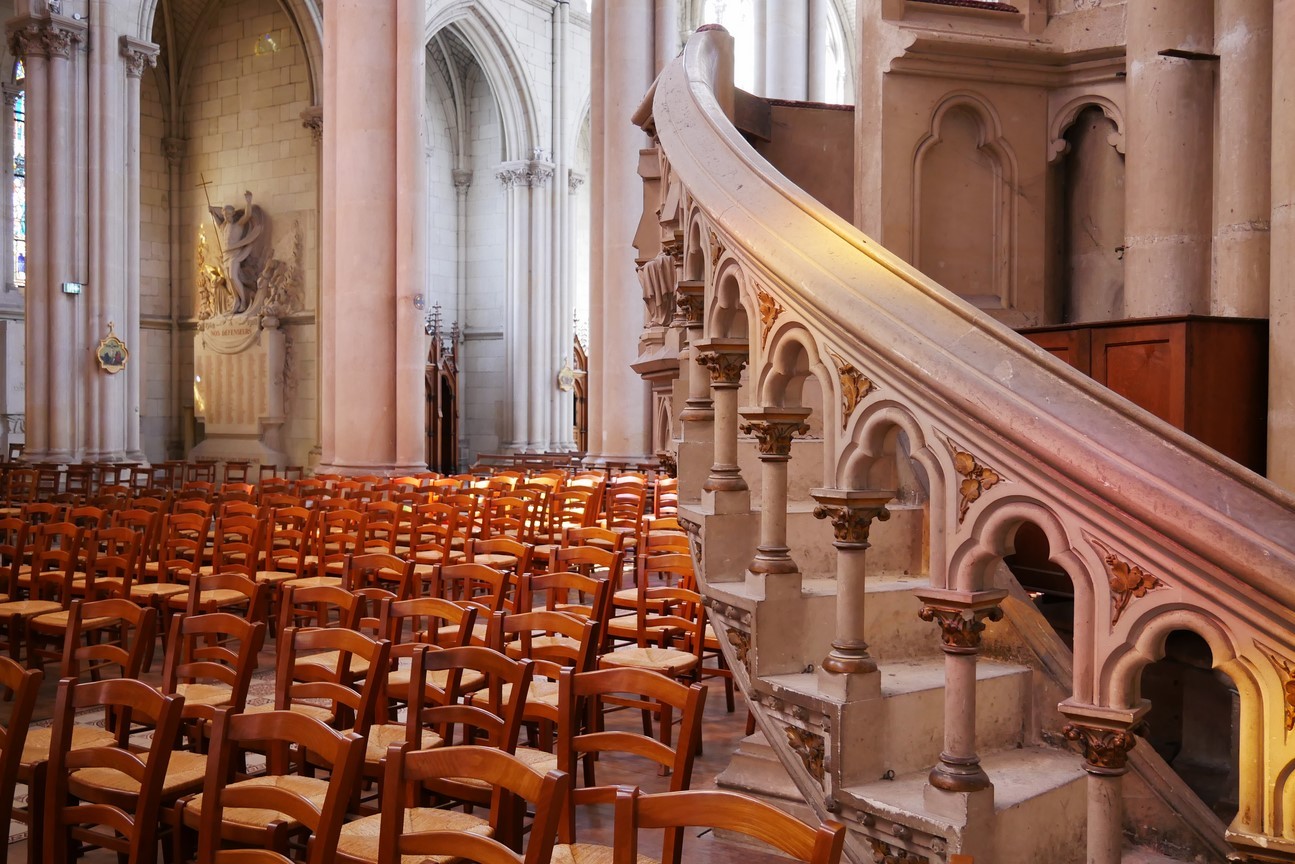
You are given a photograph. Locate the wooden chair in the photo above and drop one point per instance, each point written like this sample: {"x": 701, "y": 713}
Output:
{"x": 426, "y": 621}
{"x": 667, "y": 569}
{"x": 53, "y": 570}
{"x": 671, "y": 641}
{"x": 130, "y": 630}
{"x": 266, "y": 811}
{"x": 318, "y": 671}
{"x": 109, "y": 785}
{"x": 380, "y": 570}
{"x": 339, "y": 534}
{"x": 20, "y": 686}
{"x": 484, "y": 588}
{"x": 552, "y": 641}
{"x": 318, "y": 606}
{"x": 224, "y": 592}
{"x": 13, "y": 556}
{"x": 408, "y": 832}
{"x": 431, "y": 542}
{"x": 210, "y": 660}
{"x": 726, "y": 811}
{"x": 581, "y": 736}
{"x": 665, "y": 497}
{"x": 502, "y": 553}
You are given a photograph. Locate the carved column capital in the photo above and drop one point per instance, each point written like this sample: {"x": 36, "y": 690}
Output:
{"x": 690, "y": 298}
{"x": 1106, "y": 735}
{"x": 961, "y": 616}
{"x": 574, "y": 181}
{"x": 313, "y": 119}
{"x": 774, "y": 428}
{"x": 62, "y": 37}
{"x": 139, "y": 56}
{"x": 725, "y": 358}
{"x": 462, "y": 180}
{"x": 1106, "y": 751}
{"x": 25, "y": 42}
{"x": 525, "y": 172}
{"x": 852, "y": 512}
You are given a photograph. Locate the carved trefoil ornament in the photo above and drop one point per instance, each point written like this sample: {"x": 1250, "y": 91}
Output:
{"x": 1287, "y": 673}
{"x": 770, "y": 309}
{"x": 809, "y": 746}
{"x": 977, "y": 478}
{"x": 1127, "y": 581}
{"x": 855, "y": 386}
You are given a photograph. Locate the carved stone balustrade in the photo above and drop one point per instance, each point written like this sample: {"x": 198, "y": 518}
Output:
{"x": 774, "y": 429}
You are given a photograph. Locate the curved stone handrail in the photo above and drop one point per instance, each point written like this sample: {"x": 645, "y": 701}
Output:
{"x": 1116, "y": 489}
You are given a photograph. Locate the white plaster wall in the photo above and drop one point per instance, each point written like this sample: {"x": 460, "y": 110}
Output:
{"x": 154, "y": 352}
{"x": 442, "y": 219}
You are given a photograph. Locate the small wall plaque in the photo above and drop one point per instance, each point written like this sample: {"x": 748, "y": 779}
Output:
{"x": 112, "y": 353}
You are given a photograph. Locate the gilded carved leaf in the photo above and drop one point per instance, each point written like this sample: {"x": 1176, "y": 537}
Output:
{"x": 1287, "y": 673}
{"x": 977, "y": 478}
{"x": 770, "y": 309}
{"x": 1126, "y": 581}
{"x": 809, "y": 746}
{"x": 855, "y": 386}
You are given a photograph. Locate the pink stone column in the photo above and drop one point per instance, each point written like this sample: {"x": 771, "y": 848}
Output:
{"x": 1169, "y": 168}
{"x": 373, "y": 236}
{"x": 624, "y": 64}
{"x": 1281, "y": 335}
{"x": 63, "y": 389}
{"x": 1241, "y": 247}
{"x": 1105, "y": 735}
{"x": 25, "y": 42}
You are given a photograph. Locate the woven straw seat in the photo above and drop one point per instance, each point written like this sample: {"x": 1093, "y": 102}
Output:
{"x": 360, "y": 838}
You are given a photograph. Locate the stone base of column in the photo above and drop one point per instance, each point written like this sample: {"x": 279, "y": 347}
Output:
{"x": 849, "y": 686}
{"x": 380, "y": 469}
{"x": 737, "y": 501}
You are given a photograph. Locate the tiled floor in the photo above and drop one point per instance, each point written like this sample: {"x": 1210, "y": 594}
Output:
{"x": 721, "y": 735}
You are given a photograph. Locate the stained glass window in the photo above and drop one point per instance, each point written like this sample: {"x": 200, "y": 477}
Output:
{"x": 20, "y": 183}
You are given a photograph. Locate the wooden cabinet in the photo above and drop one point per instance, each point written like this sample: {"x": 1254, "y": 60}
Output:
{"x": 1207, "y": 376}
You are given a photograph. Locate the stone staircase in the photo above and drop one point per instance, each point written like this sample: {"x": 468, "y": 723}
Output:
{"x": 856, "y": 451}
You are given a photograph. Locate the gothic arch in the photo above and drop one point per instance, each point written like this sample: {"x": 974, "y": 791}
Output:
{"x": 306, "y": 17}
{"x": 502, "y": 66}
{"x": 1120, "y": 671}
{"x": 1069, "y": 113}
{"x": 995, "y": 248}
{"x": 727, "y": 315}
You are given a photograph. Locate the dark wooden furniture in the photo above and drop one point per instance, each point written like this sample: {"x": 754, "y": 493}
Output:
{"x": 1207, "y": 376}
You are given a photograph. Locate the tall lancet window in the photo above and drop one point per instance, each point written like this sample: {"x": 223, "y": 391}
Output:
{"x": 20, "y": 182}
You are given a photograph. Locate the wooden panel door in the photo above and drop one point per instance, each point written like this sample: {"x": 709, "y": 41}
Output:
{"x": 1071, "y": 346}
{"x": 1146, "y": 364}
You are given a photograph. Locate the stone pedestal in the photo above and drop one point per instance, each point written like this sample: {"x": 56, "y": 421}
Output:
{"x": 239, "y": 364}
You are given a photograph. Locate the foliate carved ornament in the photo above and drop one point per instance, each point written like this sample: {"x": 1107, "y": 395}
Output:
{"x": 725, "y": 359}
{"x": 809, "y": 746}
{"x": 173, "y": 150}
{"x": 977, "y": 479}
{"x": 59, "y": 40}
{"x": 139, "y": 56}
{"x": 770, "y": 309}
{"x": 774, "y": 428}
{"x": 855, "y": 386}
{"x": 1127, "y": 581}
{"x": 716, "y": 249}
{"x": 313, "y": 119}
{"x": 741, "y": 642}
{"x": 530, "y": 172}
{"x": 1105, "y": 750}
{"x": 691, "y": 306}
{"x": 26, "y": 42}
{"x": 1287, "y": 674}
{"x": 575, "y": 181}
{"x": 852, "y": 513}
{"x": 884, "y": 853}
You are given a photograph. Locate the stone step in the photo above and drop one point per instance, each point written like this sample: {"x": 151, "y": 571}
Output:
{"x": 904, "y": 730}
{"x": 755, "y": 770}
{"x": 1039, "y": 808}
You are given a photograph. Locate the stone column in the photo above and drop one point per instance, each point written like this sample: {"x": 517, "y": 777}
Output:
{"x": 8, "y": 272}
{"x": 1169, "y": 169}
{"x": 373, "y": 237}
{"x": 462, "y": 185}
{"x": 1281, "y": 333}
{"x": 1106, "y": 737}
{"x": 624, "y": 64}
{"x": 773, "y": 429}
{"x": 25, "y": 43}
{"x": 697, "y": 419}
{"x": 667, "y": 33}
{"x": 816, "y": 61}
{"x": 725, "y": 487}
{"x": 787, "y": 50}
{"x": 1241, "y": 248}
{"x": 961, "y": 616}
{"x": 173, "y": 148}
{"x": 139, "y": 56}
{"x": 848, "y": 668}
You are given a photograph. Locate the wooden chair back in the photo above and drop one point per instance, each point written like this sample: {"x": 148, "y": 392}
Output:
{"x": 134, "y": 628}
{"x": 216, "y": 648}
{"x": 318, "y": 606}
{"x": 380, "y": 570}
{"x": 20, "y": 687}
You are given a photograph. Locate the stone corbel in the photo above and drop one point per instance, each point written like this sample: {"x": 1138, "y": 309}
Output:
{"x": 313, "y": 119}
